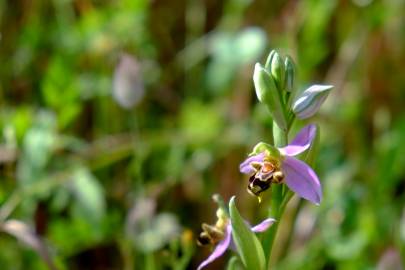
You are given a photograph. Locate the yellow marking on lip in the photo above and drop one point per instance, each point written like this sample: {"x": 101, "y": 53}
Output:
{"x": 274, "y": 161}
{"x": 267, "y": 167}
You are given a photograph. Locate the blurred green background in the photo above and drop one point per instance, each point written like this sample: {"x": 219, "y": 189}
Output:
{"x": 120, "y": 119}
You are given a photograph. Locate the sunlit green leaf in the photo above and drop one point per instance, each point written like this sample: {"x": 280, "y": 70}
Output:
{"x": 234, "y": 264}
{"x": 249, "y": 247}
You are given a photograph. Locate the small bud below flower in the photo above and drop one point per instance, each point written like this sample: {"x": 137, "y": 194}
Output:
{"x": 308, "y": 102}
{"x": 289, "y": 74}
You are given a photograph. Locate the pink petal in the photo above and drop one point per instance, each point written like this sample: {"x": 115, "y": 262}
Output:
{"x": 264, "y": 225}
{"x": 245, "y": 166}
{"x": 219, "y": 249}
{"x": 301, "y": 142}
{"x": 301, "y": 179}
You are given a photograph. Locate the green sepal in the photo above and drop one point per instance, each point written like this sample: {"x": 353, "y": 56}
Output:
{"x": 247, "y": 244}
{"x": 289, "y": 74}
{"x": 269, "y": 60}
{"x": 278, "y": 71}
{"x": 268, "y": 94}
{"x": 270, "y": 149}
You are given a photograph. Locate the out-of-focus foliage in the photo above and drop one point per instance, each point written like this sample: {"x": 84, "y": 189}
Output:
{"x": 119, "y": 119}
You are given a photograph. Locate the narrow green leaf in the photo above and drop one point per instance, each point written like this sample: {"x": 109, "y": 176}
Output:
{"x": 234, "y": 264}
{"x": 247, "y": 244}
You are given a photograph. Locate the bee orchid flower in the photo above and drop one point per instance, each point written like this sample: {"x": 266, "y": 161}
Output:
{"x": 220, "y": 236}
{"x": 270, "y": 165}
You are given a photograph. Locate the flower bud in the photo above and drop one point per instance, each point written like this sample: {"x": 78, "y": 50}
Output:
{"x": 269, "y": 60}
{"x": 308, "y": 102}
{"x": 268, "y": 94}
{"x": 278, "y": 71}
{"x": 289, "y": 74}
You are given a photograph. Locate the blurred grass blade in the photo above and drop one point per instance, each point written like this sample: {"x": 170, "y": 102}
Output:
{"x": 89, "y": 194}
{"x": 248, "y": 245}
{"x": 27, "y": 236}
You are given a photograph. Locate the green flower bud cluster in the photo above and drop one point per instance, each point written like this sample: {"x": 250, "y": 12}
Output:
{"x": 274, "y": 85}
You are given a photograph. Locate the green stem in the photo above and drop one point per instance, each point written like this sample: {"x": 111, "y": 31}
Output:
{"x": 280, "y": 136}
{"x": 150, "y": 263}
{"x": 275, "y": 212}
{"x": 289, "y": 230}
{"x": 279, "y": 198}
